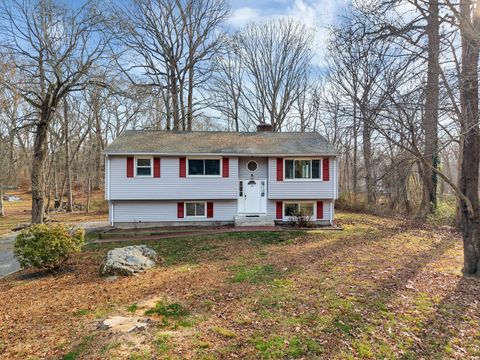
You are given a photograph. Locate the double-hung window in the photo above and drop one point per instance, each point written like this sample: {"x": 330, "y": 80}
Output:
{"x": 301, "y": 169}
{"x": 298, "y": 208}
{"x": 204, "y": 167}
{"x": 143, "y": 167}
{"x": 195, "y": 209}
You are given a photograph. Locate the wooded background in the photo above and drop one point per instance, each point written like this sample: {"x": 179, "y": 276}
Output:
{"x": 397, "y": 94}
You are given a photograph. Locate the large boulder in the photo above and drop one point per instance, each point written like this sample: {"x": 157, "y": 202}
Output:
{"x": 128, "y": 260}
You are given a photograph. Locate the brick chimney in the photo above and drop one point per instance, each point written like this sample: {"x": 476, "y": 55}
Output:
{"x": 264, "y": 127}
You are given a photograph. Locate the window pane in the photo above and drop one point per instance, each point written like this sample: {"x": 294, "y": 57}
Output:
{"x": 143, "y": 162}
{"x": 212, "y": 167}
{"x": 200, "y": 209}
{"x": 190, "y": 209}
{"x": 302, "y": 169}
{"x": 306, "y": 209}
{"x": 316, "y": 169}
{"x": 288, "y": 169}
{"x": 240, "y": 188}
{"x": 144, "y": 171}
{"x": 291, "y": 209}
{"x": 195, "y": 167}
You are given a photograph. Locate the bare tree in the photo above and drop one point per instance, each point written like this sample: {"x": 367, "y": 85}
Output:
{"x": 174, "y": 42}
{"x": 54, "y": 48}
{"x": 276, "y": 56}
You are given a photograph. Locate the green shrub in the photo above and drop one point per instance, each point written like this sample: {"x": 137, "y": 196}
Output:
{"x": 47, "y": 246}
{"x": 445, "y": 213}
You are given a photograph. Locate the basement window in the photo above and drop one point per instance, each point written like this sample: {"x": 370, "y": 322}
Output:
{"x": 292, "y": 209}
{"x": 195, "y": 209}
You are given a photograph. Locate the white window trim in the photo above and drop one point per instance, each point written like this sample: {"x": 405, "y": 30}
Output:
{"x": 246, "y": 166}
{"x": 196, "y": 216}
{"x": 205, "y": 158}
{"x": 290, "y": 218}
{"x": 151, "y": 166}
{"x": 311, "y": 169}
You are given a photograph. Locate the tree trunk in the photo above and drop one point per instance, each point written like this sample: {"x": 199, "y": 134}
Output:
{"x": 68, "y": 176}
{"x": 2, "y": 208}
{"x": 367, "y": 156}
{"x": 471, "y": 145}
{"x": 430, "y": 118}
{"x": 38, "y": 168}
{"x": 190, "y": 100}
{"x": 355, "y": 156}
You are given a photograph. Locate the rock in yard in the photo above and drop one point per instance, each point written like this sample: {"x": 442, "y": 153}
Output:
{"x": 128, "y": 260}
{"x": 123, "y": 324}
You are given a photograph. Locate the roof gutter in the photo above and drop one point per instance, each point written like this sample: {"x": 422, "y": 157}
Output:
{"x": 213, "y": 154}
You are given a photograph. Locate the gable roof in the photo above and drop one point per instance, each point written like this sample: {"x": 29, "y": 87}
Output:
{"x": 154, "y": 142}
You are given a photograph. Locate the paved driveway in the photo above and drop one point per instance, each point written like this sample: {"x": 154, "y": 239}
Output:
{"x": 8, "y": 264}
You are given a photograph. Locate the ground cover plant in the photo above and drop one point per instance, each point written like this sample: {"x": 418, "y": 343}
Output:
{"x": 381, "y": 288}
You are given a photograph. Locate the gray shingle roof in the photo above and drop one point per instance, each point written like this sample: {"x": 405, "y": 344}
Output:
{"x": 217, "y": 142}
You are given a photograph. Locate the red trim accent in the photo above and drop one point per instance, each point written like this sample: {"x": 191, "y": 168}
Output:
{"x": 129, "y": 166}
{"x": 156, "y": 167}
{"x": 183, "y": 167}
{"x": 226, "y": 167}
{"x": 209, "y": 209}
{"x": 326, "y": 169}
{"x": 279, "y": 210}
{"x": 319, "y": 210}
{"x": 180, "y": 210}
{"x": 279, "y": 169}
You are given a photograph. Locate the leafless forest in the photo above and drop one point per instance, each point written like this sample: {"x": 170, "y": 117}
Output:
{"x": 397, "y": 94}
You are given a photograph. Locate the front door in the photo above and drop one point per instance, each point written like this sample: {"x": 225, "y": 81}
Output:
{"x": 252, "y": 197}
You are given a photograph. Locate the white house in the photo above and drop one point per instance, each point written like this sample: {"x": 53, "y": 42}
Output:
{"x": 199, "y": 178}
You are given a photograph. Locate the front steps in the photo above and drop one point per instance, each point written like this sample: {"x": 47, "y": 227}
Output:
{"x": 260, "y": 220}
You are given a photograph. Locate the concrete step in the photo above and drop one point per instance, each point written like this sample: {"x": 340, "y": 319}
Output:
{"x": 261, "y": 220}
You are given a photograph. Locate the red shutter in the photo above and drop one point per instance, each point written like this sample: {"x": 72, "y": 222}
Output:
{"x": 183, "y": 167}
{"x": 279, "y": 210}
{"x": 129, "y": 166}
{"x": 156, "y": 167}
{"x": 180, "y": 211}
{"x": 319, "y": 210}
{"x": 209, "y": 209}
{"x": 279, "y": 169}
{"x": 326, "y": 169}
{"x": 226, "y": 167}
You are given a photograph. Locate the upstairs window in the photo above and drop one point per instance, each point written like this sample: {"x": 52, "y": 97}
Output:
{"x": 204, "y": 167}
{"x": 298, "y": 169}
{"x": 143, "y": 167}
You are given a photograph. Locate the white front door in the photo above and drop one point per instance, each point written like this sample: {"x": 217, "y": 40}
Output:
{"x": 252, "y": 197}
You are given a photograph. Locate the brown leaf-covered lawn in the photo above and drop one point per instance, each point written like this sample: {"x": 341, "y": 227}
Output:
{"x": 19, "y": 212}
{"x": 382, "y": 288}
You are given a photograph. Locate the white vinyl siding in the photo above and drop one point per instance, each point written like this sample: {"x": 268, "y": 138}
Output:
{"x": 169, "y": 186}
{"x": 303, "y": 189}
{"x": 158, "y": 211}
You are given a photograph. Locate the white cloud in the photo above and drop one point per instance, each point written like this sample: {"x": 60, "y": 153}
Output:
{"x": 243, "y": 15}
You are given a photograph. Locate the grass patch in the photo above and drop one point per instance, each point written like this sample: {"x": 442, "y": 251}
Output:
{"x": 279, "y": 347}
{"x": 77, "y": 352}
{"x": 254, "y": 274}
{"x": 132, "y": 308}
{"x": 168, "y": 310}
{"x": 223, "y": 332}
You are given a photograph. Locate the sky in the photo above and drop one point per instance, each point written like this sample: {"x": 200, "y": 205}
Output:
{"x": 318, "y": 14}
